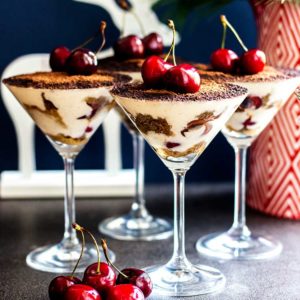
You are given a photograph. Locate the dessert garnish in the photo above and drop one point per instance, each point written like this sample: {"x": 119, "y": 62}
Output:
{"x": 100, "y": 281}
{"x": 125, "y": 292}
{"x": 129, "y": 276}
{"x": 127, "y": 47}
{"x": 60, "y": 284}
{"x": 99, "y": 275}
{"x": 81, "y": 61}
{"x": 131, "y": 46}
{"x": 250, "y": 62}
{"x": 223, "y": 59}
{"x": 157, "y": 72}
{"x": 82, "y": 292}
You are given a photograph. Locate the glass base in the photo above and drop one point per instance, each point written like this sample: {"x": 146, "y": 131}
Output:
{"x": 188, "y": 281}
{"x": 227, "y": 246}
{"x": 60, "y": 259}
{"x": 136, "y": 229}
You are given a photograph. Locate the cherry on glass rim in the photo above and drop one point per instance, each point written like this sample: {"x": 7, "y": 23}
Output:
{"x": 183, "y": 78}
{"x": 224, "y": 60}
{"x": 82, "y": 61}
{"x": 58, "y": 58}
{"x": 128, "y": 47}
{"x": 153, "y": 44}
{"x": 153, "y": 70}
{"x": 252, "y": 61}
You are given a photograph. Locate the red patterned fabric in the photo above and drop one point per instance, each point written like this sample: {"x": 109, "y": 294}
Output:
{"x": 274, "y": 181}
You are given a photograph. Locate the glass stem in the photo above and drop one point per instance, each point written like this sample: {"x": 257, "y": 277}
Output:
{"x": 179, "y": 260}
{"x": 138, "y": 208}
{"x": 70, "y": 238}
{"x": 239, "y": 226}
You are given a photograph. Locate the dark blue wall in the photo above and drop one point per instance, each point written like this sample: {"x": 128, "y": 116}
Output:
{"x": 34, "y": 26}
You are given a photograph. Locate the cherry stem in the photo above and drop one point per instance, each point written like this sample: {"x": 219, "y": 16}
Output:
{"x": 172, "y": 48}
{"x": 80, "y": 228}
{"x": 86, "y": 42}
{"x": 105, "y": 251}
{"x": 224, "y": 35}
{"x": 102, "y": 31}
{"x": 76, "y": 227}
{"x": 225, "y": 21}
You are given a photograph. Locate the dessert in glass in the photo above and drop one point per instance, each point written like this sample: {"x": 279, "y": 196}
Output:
{"x": 138, "y": 224}
{"x": 178, "y": 127}
{"x": 68, "y": 109}
{"x": 269, "y": 88}
{"x": 268, "y": 91}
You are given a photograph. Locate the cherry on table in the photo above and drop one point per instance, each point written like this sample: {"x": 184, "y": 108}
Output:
{"x": 224, "y": 60}
{"x": 82, "y": 61}
{"x": 153, "y": 44}
{"x": 58, "y": 58}
{"x": 130, "y": 46}
{"x": 137, "y": 277}
{"x": 59, "y": 285}
{"x": 252, "y": 61}
{"x": 101, "y": 281}
{"x": 81, "y": 292}
{"x": 183, "y": 78}
{"x": 153, "y": 70}
{"x": 125, "y": 292}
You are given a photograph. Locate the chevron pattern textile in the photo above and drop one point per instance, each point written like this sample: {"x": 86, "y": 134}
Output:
{"x": 274, "y": 173}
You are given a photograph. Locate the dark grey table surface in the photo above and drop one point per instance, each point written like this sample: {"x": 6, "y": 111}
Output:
{"x": 26, "y": 224}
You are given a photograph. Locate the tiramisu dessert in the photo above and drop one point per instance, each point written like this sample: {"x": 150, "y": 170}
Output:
{"x": 269, "y": 88}
{"x": 179, "y": 126}
{"x": 130, "y": 53}
{"x": 67, "y": 108}
{"x": 68, "y": 104}
{"x": 268, "y": 92}
{"x": 179, "y": 119}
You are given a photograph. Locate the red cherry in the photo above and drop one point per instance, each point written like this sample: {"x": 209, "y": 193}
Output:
{"x": 252, "y": 102}
{"x": 59, "y": 285}
{"x": 100, "y": 281}
{"x": 171, "y": 145}
{"x": 130, "y": 46}
{"x": 224, "y": 60}
{"x": 153, "y": 44}
{"x": 81, "y": 292}
{"x": 153, "y": 70}
{"x": 138, "y": 278}
{"x": 183, "y": 78}
{"x": 58, "y": 58}
{"x": 125, "y": 292}
{"x": 252, "y": 61}
{"x": 82, "y": 61}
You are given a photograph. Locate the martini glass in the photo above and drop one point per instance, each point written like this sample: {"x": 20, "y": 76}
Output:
{"x": 138, "y": 224}
{"x": 266, "y": 96}
{"x": 68, "y": 110}
{"x": 178, "y": 127}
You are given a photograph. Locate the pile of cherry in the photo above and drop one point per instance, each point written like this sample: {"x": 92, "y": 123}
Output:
{"x": 100, "y": 282}
{"x": 159, "y": 73}
{"x": 79, "y": 61}
{"x": 83, "y": 61}
{"x": 250, "y": 62}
